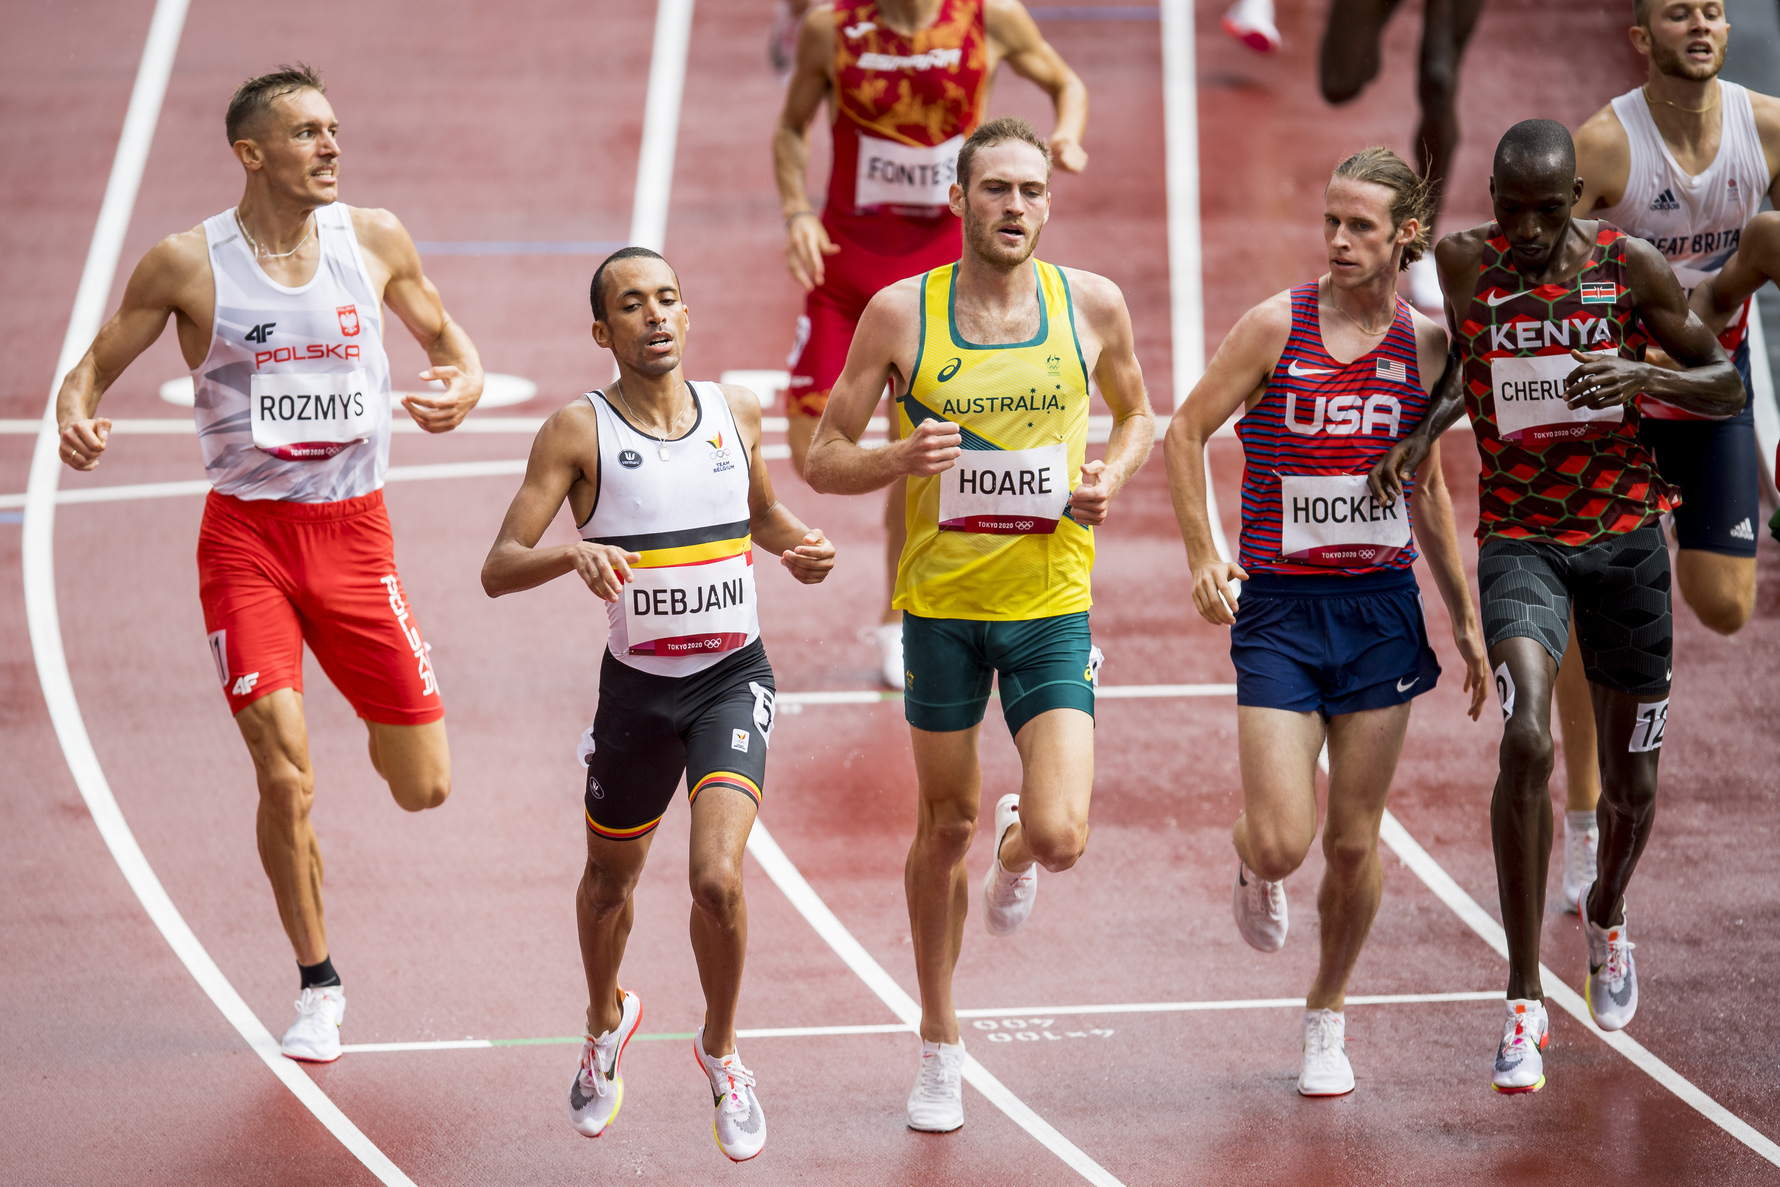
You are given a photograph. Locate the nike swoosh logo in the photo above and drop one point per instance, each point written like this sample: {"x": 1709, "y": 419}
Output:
{"x": 1402, "y": 687}
{"x": 1297, "y": 372}
{"x": 1494, "y": 301}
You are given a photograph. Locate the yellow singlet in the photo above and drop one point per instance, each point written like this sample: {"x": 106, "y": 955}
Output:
{"x": 1005, "y": 548}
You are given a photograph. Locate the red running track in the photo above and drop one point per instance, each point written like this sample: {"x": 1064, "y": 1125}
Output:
{"x": 521, "y": 124}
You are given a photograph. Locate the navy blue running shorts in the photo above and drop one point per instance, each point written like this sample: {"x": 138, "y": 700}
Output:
{"x": 1331, "y": 645}
{"x": 1718, "y": 468}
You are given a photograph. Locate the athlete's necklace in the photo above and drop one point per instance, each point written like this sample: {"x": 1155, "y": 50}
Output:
{"x": 1677, "y": 106}
{"x": 1364, "y": 328}
{"x": 636, "y": 420}
{"x": 260, "y": 252}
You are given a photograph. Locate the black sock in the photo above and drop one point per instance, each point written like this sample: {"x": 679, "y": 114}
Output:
{"x": 319, "y": 976}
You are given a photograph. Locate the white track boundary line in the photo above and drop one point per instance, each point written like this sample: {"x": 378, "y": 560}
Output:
{"x": 809, "y": 904}
{"x": 1761, "y": 394}
{"x": 44, "y": 618}
{"x": 661, "y": 124}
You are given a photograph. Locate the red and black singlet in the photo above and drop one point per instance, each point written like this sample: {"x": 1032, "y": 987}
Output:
{"x": 1310, "y": 441}
{"x": 1551, "y": 472}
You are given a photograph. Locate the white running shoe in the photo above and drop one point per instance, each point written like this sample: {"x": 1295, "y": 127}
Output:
{"x": 1251, "y": 22}
{"x": 1260, "y": 910}
{"x": 1007, "y": 897}
{"x": 315, "y": 1036}
{"x": 1612, "y": 973}
{"x": 739, "y": 1125}
{"x": 1326, "y": 1071}
{"x": 1520, "y": 1062}
{"x": 1582, "y": 839}
{"x": 890, "y": 669}
{"x": 937, "y": 1103}
{"x": 1424, "y": 287}
{"x": 598, "y": 1089}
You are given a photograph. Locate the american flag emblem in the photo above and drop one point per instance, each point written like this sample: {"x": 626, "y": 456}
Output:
{"x": 1600, "y": 293}
{"x": 1393, "y": 370}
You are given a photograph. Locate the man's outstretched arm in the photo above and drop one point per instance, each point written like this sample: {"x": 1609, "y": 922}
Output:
{"x": 515, "y": 562}
{"x": 412, "y": 297}
{"x": 837, "y": 463}
{"x": 1036, "y": 60}
{"x": 1120, "y": 380}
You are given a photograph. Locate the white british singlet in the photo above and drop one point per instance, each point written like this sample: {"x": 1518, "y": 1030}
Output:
{"x": 1695, "y": 221}
{"x": 292, "y": 401}
{"x": 691, "y": 601}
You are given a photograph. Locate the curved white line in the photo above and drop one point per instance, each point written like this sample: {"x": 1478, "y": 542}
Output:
{"x": 45, "y": 621}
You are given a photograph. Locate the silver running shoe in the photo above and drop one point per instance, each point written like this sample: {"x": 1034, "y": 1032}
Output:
{"x": 739, "y": 1126}
{"x": 1326, "y": 1071}
{"x": 1581, "y": 842}
{"x": 598, "y": 1089}
{"x": 1520, "y": 1059}
{"x": 937, "y": 1103}
{"x": 1007, "y": 896}
{"x": 1612, "y": 974}
{"x": 1260, "y": 910}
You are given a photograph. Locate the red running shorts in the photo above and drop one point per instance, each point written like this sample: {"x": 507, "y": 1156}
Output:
{"x": 273, "y": 575}
{"x": 851, "y": 278}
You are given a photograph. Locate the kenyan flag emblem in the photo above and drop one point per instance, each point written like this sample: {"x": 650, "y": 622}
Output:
{"x": 1599, "y": 293}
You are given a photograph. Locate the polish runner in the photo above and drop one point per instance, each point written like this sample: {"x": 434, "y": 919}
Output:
{"x": 1684, "y": 162}
{"x": 278, "y": 307}
{"x": 1328, "y": 640}
{"x": 905, "y": 81}
{"x": 990, "y": 359}
{"x": 1551, "y": 313}
{"x": 667, "y": 486}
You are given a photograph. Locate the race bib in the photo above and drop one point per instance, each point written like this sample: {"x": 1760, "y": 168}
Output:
{"x": 690, "y": 609}
{"x": 1011, "y": 492}
{"x": 1530, "y": 404}
{"x": 304, "y": 418}
{"x": 912, "y": 177}
{"x": 1332, "y": 519}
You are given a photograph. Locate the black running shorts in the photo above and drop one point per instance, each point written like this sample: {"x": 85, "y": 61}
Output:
{"x": 1718, "y": 468}
{"x": 712, "y": 727}
{"x": 1619, "y": 588}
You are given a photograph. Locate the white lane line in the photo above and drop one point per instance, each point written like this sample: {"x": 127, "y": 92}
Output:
{"x": 44, "y": 618}
{"x": 1180, "y": 114}
{"x": 1392, "y": 833}
{"x": 438, "y": 1045}
{"x": 809, "y": 904}
{"x": 197, "y": 486}
{"x": 1113, "y": 692}
{"x": 661, "y": 124}
{"x": 1258, "y": 1003}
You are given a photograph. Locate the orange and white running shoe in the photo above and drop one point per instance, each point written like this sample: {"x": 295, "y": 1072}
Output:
{"x": 1251, "y": 22}
{"x": 739, "y": 1126}
{"x": 1612, "y": 973}
{"x": 598, "y": 1089}
{"x": 1520, "y": 1062}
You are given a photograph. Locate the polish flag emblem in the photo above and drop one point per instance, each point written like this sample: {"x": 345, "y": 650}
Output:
{"x": 348, "y": 320}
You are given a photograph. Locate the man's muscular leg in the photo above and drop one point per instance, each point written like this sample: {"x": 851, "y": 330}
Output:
{"x": 603, "y": 912}
{"x": 1576, "y": 723}
{"x": 1278, "y": 750}
{"x": 1446, "y": 27}
{"x": 1350, "y": 55}
{"x": 1056, "y": 779}
{"x": 950, "y": 783}
{"x": 415, "y": 760}
{"x": 1627, "y": 811}
{"x": 721, "y": 820}
{"x": 1719, "y": 588}
{"x": 278, "y": 741}
{"x": 1520, "y": 809}
{"x": 1363, "y": 752}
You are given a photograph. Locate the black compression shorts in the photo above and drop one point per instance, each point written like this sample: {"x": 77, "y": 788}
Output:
{"x": 712, "y": 726}
{"x": 1618, "y": 586}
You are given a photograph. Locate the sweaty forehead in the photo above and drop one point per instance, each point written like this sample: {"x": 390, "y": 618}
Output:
{"x": 639, "y": 275}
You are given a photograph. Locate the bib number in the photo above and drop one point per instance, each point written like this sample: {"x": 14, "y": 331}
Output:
{"x": 690, "y": 609}
{"x": 912, "y": 178}
{"x": 1333, "y": 519}
{"x": 1530, "y": 404}
{"x": 305, "y": 418}
{"x": 1013, "y": 492}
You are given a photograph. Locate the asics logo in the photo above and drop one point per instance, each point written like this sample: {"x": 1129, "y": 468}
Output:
{"x": 1298, "y": 372}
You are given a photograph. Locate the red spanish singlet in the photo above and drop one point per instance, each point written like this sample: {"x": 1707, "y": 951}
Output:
{"x": 903, "y": 108}
{"x": 1310, "y": 442}
{"x": 1551, "y": 472}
